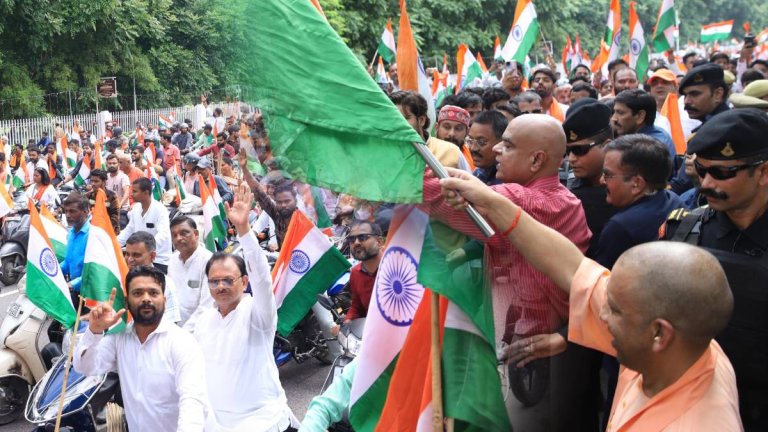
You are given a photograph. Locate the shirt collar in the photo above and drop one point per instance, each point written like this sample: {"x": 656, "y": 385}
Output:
{"x": 548, "y": 182}
{"x": 757, "y": 232}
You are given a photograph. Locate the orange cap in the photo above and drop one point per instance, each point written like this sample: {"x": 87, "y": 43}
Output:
{"x": 664, "y": 75}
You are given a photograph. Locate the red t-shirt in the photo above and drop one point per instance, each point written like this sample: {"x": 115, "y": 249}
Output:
{"x": 361, "y": 287}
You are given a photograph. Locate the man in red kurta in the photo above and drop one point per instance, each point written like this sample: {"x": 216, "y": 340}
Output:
{"x": 365, "y": 241}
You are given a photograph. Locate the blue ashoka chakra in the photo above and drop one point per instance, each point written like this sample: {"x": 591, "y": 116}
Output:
{"x": 397, "y": 292}
{"x": 617, "y": 38}
{"x": 517, "y": 33}
{"x": 48, "y": 262}
{"x": 299, "y": 262}
{"x": 634, "y": 45}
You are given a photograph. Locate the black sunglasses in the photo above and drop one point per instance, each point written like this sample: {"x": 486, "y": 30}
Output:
{"x": 580, "y": 150}
{"x": 361, "y": 237}
{"x": 721, "y": 172}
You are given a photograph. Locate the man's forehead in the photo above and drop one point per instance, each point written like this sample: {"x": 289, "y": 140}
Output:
{"x": 452, "y": 123}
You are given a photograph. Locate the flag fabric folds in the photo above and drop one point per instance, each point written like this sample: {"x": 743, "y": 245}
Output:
{"x": 411, "y": 73}
{"x": 469, "y": 68}
{"x": 666, "y": 24}
{"x": 85, "y": 171}
{"x": 46, "y": 286}
{"x": 214, "y": 227}
{"x": 524, "y": 32}
{"x": 638, "y": 50}
{"x": 308, "y": 265}
{"x": 337, "y": 118}
{"x": 56, "y": 232}
{"x": 671, "y": 110}
{"x": 387, "y": 49}
{"x": 716, "y": 31}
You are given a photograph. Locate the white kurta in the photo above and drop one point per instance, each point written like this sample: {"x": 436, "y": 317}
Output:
{"x": 156, "y": 222}
{"x": 191, "y": 285}
{"x": 243, "y": 382}
{"x": 162, "y": 380}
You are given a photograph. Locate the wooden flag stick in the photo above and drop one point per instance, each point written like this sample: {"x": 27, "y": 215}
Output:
{"x": 373, "y": 60}
{"x": 68, "y": 364}
{"x": 437, "y": 384}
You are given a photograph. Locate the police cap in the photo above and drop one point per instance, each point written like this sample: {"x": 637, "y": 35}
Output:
{"x": 734, "y": 134}
{"x": 708, "y": 73}
{"x": 586, "y": 118}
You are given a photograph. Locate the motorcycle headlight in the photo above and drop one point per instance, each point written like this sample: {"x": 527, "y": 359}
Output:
{"x": 354, "y": 345}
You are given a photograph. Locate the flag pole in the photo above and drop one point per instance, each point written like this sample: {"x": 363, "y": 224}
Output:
{"x": 373, "y": 60}
{"x": 441, "y": 173}
{"x": 68, "y": 364}
{"x": 437, "y": 385}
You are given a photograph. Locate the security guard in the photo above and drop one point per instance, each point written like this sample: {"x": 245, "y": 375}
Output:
{"x": 731, "y": 161}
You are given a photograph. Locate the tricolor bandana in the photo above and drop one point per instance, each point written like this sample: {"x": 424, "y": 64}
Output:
{"x": 454, "y": 113}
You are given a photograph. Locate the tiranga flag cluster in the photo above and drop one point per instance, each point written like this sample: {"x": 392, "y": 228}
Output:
{"x": 392, "y": 388}
{"x": 567, "y": 55}
{"x": 411, "y": 73}
{"x": 638, "y": 49}
{"x": 6, "y": 202}
{"x": 20, "y": 176}
{"x": 470, "y": 71}
{"x": 609, "y": 45}
{"x": 666, "y": 25}
{"x": 214, "y": 227}
{"x": 524, "y": 32}
{"x": 57, "y": 234}
{"x": 84, "y": 173}
{"x": 104, "y": 266}
{"x": 46, "y": 286}
{"x": 338, "y": 108}
{"x": 308, "y": 265}
{"x": 716, "y": 31}
{"x": 387, "y": 49}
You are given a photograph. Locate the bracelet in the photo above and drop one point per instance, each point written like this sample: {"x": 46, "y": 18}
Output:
{"x": 514, "y": 222}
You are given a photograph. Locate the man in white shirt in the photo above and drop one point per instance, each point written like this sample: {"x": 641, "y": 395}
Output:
{"x": 161, "y": 368}
{"x": 119, "y": 183}
{"x": 237, "y": 336}
{"x": 150, "y": 216}
{"x": 140, "y": 250}
{"x": 187, "y": 270}
{"x": 34, "y": 162}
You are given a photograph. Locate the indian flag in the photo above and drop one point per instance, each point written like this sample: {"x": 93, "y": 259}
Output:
{"x": 381, "y": 73}
{"x": 716, "y": 31}
{"x": 46, "y": 286}
{"x": 497, "y": 49}
{"x": 71, "y": 158}
{"x": 482, "y": 63}
{"x": 666, "y": 24}
{"x": 214, "y": 228}
{"x": 217, "y": 197}
{"x": 165, "y": 121}
{"x": 567, "y": 55}
{"x": 470, "y": 70}
{"x": 671, "y": 110}
{"x": 20, "y": 176}
{"x": 411, "y": 73}
{"x": 104, "y": 266}
{"x": 438, "y": 88}
{"x": 63, "y": 147}
{"x": 638, "y": 50}
{"x": 387, "y": 47}
{"x": 157, "y": 190}
{"x": 308, "y": 264}
{"x": 609, "y": 46}
{"x": 150, "y": 153}
{"x": 525, "y": 30}
{"x": 410, "y": 261}
{"x": 85, "y": 171}
{"x": 56, "y": 232}
{"x": 6, "y": 202}
{"x": 98, "y": 162}
{"x": 181, "y": 194}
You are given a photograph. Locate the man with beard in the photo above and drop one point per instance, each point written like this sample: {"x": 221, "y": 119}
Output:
{"x": 730, "y": 159}
{"x": 161, "y": 367}
{"x": 512, "y": 83}
{"x": 120, "y": 185}
{"x": 141, "y": 250}
{"x": 280, "y": 208}
{"x": 452, "y": 126}
{"x": 365, "y": 243}
{"x": 543, "y": 82}
{"x": 625, "y": 79}
{"x": 580, "y": 71}
{"x": 634, "y": 111}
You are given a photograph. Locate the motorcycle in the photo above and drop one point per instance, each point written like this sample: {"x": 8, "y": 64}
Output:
{"x": 15, "y": 236}
{"x": 350, "y": 338}
{"x": 22, "y": 364}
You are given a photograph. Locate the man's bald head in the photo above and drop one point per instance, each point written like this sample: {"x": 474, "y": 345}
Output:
{"x": 538, "y": 133}
{"x": 680, "y": 283}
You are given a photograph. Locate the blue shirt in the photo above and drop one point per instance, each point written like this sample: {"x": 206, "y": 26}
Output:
{"x": 73, "y": 264}
{"x": 661, "y": 136}
{"x": 636, "y": 224}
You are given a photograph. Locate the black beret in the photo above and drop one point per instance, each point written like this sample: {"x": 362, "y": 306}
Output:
{"x": 586, "y": 118}
{"x": 734, "y": 134}
{"x": 708, "y": 73}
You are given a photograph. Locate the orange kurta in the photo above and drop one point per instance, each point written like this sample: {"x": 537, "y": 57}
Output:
{"x": 704, "y": 398}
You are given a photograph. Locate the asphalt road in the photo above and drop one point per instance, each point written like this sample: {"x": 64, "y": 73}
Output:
{"x": 300, "y": 381}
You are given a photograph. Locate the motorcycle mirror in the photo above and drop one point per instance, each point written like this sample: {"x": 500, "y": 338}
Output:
{"x": 325, "y": 302}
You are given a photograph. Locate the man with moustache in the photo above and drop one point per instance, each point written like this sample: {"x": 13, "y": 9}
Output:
{"x": 119, "y": 183}
{"x": 731, "y": 161}
{"x": 452, "y": 126}
{"x": 484, "y": 134}
{"x": 161, "y": 367}
{"x": 543, "y": 82}
{"x": 365, "y": 242}
{"x": 141, "y": 250}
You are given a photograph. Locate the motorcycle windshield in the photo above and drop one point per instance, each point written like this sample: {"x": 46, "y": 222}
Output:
{"x": 80, "y": 389}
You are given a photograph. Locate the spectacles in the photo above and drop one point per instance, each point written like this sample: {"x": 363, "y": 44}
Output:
{"x": 721, "y": 172}
{"x": 475, "y": 142}
{"x": 360, "y": 237}
{"x": 225, "y": 282}
{"x": 580, "y": 150}
{"x": 533, "y": 111}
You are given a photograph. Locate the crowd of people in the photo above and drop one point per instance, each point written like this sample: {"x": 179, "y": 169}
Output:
{"x": 592, "y": 201}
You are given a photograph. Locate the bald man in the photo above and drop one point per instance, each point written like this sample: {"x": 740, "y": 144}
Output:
{"x": 660, "y": 324}
{"x": 525, "y": 302}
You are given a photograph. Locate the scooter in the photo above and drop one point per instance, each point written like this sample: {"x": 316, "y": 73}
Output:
{"x": 15, "y": 236}
{"x": 22, "y": 364}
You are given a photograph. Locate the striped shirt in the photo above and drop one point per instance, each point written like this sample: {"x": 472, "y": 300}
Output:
{"x": 525, "y": 301}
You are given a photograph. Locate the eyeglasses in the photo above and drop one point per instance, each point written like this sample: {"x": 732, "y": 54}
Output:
{"x": 225, "y": 282}
{"x": 580, "y": 150}
{"x": 360, "y": 237}
{"x": 475, "y": 142}
{"x": 721, "y": 172}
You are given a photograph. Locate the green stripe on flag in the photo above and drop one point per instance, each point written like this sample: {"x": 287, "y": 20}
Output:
{"x": 323, "y": 220}
{"x": 385, "y": 52}
{"x": 372, "y": 401}
{"x": 304, "y": 294}
{"x": 666, "y": 20}
{"x": 59, "y": 249}
{"x": 97, "y": 284}
{"x": 531, "y": 34}
{"x": 44, "y": 293}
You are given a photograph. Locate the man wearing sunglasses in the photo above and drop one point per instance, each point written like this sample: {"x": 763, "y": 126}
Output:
{"x": 365, "y": 242}
{"x": 731, "y": 161}
{"x": 587, "y": 130}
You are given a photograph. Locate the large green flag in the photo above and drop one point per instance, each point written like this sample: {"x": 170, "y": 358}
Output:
{"x": 328, "y": 122}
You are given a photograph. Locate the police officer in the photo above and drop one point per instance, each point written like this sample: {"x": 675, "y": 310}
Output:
{"x": 731, "y": 160}
{"x": 587, "y": 128}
